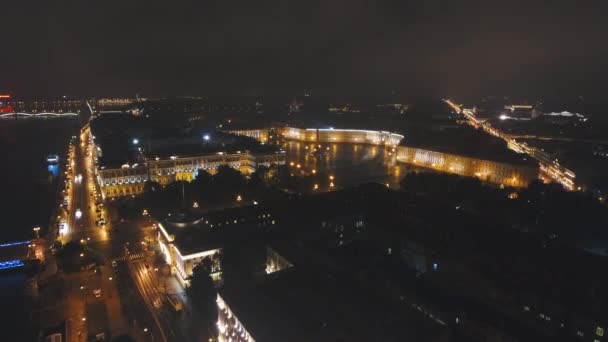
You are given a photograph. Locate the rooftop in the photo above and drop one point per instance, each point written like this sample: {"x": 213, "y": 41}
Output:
{"x": 125, "y": 139}
{"x": 465, "y": 141}
{"x": 216, "y": 228}
{"x": 310, "y": 303}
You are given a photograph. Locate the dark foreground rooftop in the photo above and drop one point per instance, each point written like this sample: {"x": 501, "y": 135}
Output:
{"x": 312, "y": 304}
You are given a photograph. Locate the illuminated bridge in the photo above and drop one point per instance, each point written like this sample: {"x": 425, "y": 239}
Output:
{"x": 12, "y": 254}
{"x": 42, "y": 115}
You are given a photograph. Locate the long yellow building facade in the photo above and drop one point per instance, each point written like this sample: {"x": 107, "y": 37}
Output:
{"x": 330, "y": 135}
{"x": 498, "y": 173}
{"x": 130, "y": 179}
{"x": 489, "y": 171}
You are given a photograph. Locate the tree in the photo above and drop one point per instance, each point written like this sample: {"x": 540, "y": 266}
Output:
{"x": 227, "y": 182}
{"x": 203, "y": 292}
{"x": 203, "y": 180}
{"x": 228, "y": 177}
{"x": 151, "y": 187}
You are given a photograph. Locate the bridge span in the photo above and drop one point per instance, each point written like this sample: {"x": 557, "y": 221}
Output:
{"x": 42, "y": 115}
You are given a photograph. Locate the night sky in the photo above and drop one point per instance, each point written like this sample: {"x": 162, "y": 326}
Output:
{"x": 206, "y": 47}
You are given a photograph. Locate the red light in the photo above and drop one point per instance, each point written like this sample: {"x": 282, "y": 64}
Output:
{"x": 7, "y": 109}
{"x": 5, "y": 96}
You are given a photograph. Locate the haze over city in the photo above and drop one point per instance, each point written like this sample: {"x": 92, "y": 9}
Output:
{"x": 237, "y": 171}
{"x": 329, "y": 47}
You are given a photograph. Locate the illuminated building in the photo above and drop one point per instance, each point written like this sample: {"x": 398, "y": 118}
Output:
{"x": 230, "y": 329}
{"x": 126, "y": 158}
{"x": 183, "y": 264}
{"x": 115, "y": 102}
{"x": 257, "y": 134}
{"x": 321, "y": 135}
{"x": 341, "y": 136}
{"x": 499, "y": 173}
{"x": 519, "y": 112}
{"x": 130, "y": 179}
{"x": 275, "y": 262}
{"x": 186, "y": 241}
{"x": 5, "y": 106}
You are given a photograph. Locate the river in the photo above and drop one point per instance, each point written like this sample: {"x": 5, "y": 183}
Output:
{"x": 27, "y": 187}
{"x": 27, "y": 200}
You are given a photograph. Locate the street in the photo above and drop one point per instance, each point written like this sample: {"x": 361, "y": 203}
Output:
{"x": 84, "y": 208}
{"x": 549, "y": 167}
{"x": 133, "y": 291}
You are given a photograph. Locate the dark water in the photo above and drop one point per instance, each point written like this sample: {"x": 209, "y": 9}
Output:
{"x": 28, "y": 191}
{"x": 15, "y": 323}
{"x": 26, "y": 200}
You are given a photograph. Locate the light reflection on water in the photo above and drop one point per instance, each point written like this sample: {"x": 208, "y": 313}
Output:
{"x": 53, "y": 169}
{"x": 351, "y": 164}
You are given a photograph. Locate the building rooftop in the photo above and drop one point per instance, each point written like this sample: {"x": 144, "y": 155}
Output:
{"x": 216, "y": 228}
{"x": 126, "y": 139}
{"x": 310, "y": 303}
{"x": 465, "y": 141}
{"x": 193, "y": 144}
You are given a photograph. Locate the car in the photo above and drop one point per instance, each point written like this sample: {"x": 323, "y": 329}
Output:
{"x": 97, "y": 293}
{"x": 114, "y": 263}
{"x": 78, "y": 213}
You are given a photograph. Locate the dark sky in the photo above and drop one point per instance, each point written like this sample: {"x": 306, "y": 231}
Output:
{"x": 204, "y": 47}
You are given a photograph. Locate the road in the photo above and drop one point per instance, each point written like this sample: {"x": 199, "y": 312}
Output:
{"x": 154, "y": 294}
{"x": 549, "y": 166}
{"x": 84, "y": 207}
{"x": 133, "y": 292}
